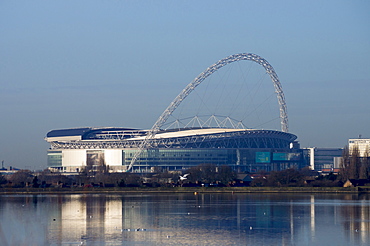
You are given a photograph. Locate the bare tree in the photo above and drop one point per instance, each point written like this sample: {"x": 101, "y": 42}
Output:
{"x": 210, "y": 173}
{"x": 206, "y": 173}
{"x": 353, "y": 166}
{"x": 345, "y": 164}
{"x": 2, "y": 180}
{"x": 355, "y": 163}
{"x": 225, "y": 174}
{"x": 287, "y": 177}
{"x": 130, "y": 180}
{"x": 21, "y": 178}
{"x": 365, "y": 165}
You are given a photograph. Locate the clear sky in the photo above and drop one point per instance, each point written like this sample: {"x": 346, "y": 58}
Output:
{"x": 120, "y": 63}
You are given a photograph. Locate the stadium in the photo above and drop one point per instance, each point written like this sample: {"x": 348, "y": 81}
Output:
{"x": 228, "y": 142}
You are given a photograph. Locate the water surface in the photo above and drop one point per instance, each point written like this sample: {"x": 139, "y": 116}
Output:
{"x": 185, "y": 219}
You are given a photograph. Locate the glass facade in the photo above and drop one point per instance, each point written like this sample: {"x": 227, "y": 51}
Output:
{"x": 177, "y": 159}
{"x": 242, "y": 160}
{"x": 95, "y": 158}
{"x": 54, "y": 158}
{"x": 151, "y": 160}
{"x": 322, "y": 159}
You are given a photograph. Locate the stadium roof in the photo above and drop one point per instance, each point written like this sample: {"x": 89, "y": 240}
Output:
{"x": 81, "y": 131}
{"x": 192, "y": 132}
{"x": 117, "y": 133}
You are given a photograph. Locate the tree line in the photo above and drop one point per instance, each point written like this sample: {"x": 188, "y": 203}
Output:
{"x": 353, "y": 167}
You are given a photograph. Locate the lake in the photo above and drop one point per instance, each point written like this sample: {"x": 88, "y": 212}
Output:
{"x": 185, "y": 219}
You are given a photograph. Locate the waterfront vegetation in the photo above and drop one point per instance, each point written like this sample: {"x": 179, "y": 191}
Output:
{"x": 354, "y": 172}
{"x": 204, "y": 178}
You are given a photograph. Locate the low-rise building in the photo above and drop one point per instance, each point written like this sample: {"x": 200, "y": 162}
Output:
{"x": 324, "y": 159}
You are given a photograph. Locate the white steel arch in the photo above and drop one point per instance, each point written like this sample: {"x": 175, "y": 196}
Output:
{"x": 200, "y": 78}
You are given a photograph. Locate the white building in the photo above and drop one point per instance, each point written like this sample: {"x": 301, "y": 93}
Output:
{"x": 363, "y": 145}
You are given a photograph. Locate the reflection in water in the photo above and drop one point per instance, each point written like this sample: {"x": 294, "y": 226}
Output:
{"x": 185, "y": 219}
{"x": 312, "y": 213}
{"x": 356, "y": 219}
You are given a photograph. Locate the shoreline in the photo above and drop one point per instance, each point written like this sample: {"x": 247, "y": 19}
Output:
{"x": 123, "y": 190}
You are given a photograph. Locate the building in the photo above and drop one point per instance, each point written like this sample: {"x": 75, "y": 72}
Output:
{"x": 245, "y": 150}
{"x": 118, "y": 149}
{"x": 362, "y": 144}
{"x": 324, "y": 159}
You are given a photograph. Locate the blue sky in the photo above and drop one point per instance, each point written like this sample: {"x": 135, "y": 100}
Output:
{"x": 120, "y": 63}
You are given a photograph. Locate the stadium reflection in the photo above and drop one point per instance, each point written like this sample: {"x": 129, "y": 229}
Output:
{"x": 175, "y": 219}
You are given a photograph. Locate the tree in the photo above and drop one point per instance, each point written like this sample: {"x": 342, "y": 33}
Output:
{"x": 195, "y": 174}
{"x": 352, "y": 165}
{"x": 306, "y": 171}
{"x": 365, "y": 165}
{"x": 130, "y": 180}
{"x": 56, "y": 178}
{"x": 355, "y": 163}
{"x": 345, "y": 165}
{"x": 2, "y": 180}
{"x": 21, "y": 178}
{"x": 116, "y": 178}
{"x": 163, "y": 177}
{"x": 206, "y": 173}
{"x": 210, "y": 173}
{"x": 287, "y": 177}
{"x": 225, "y": 174}
{"x": 259, "y": 181}
{"x": 35, "y": 182}
{"x": 330, "y": 180}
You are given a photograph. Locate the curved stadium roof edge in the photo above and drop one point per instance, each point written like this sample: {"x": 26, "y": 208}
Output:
{"x": 92, "y": 133}
{"x": 79, "y": 131}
